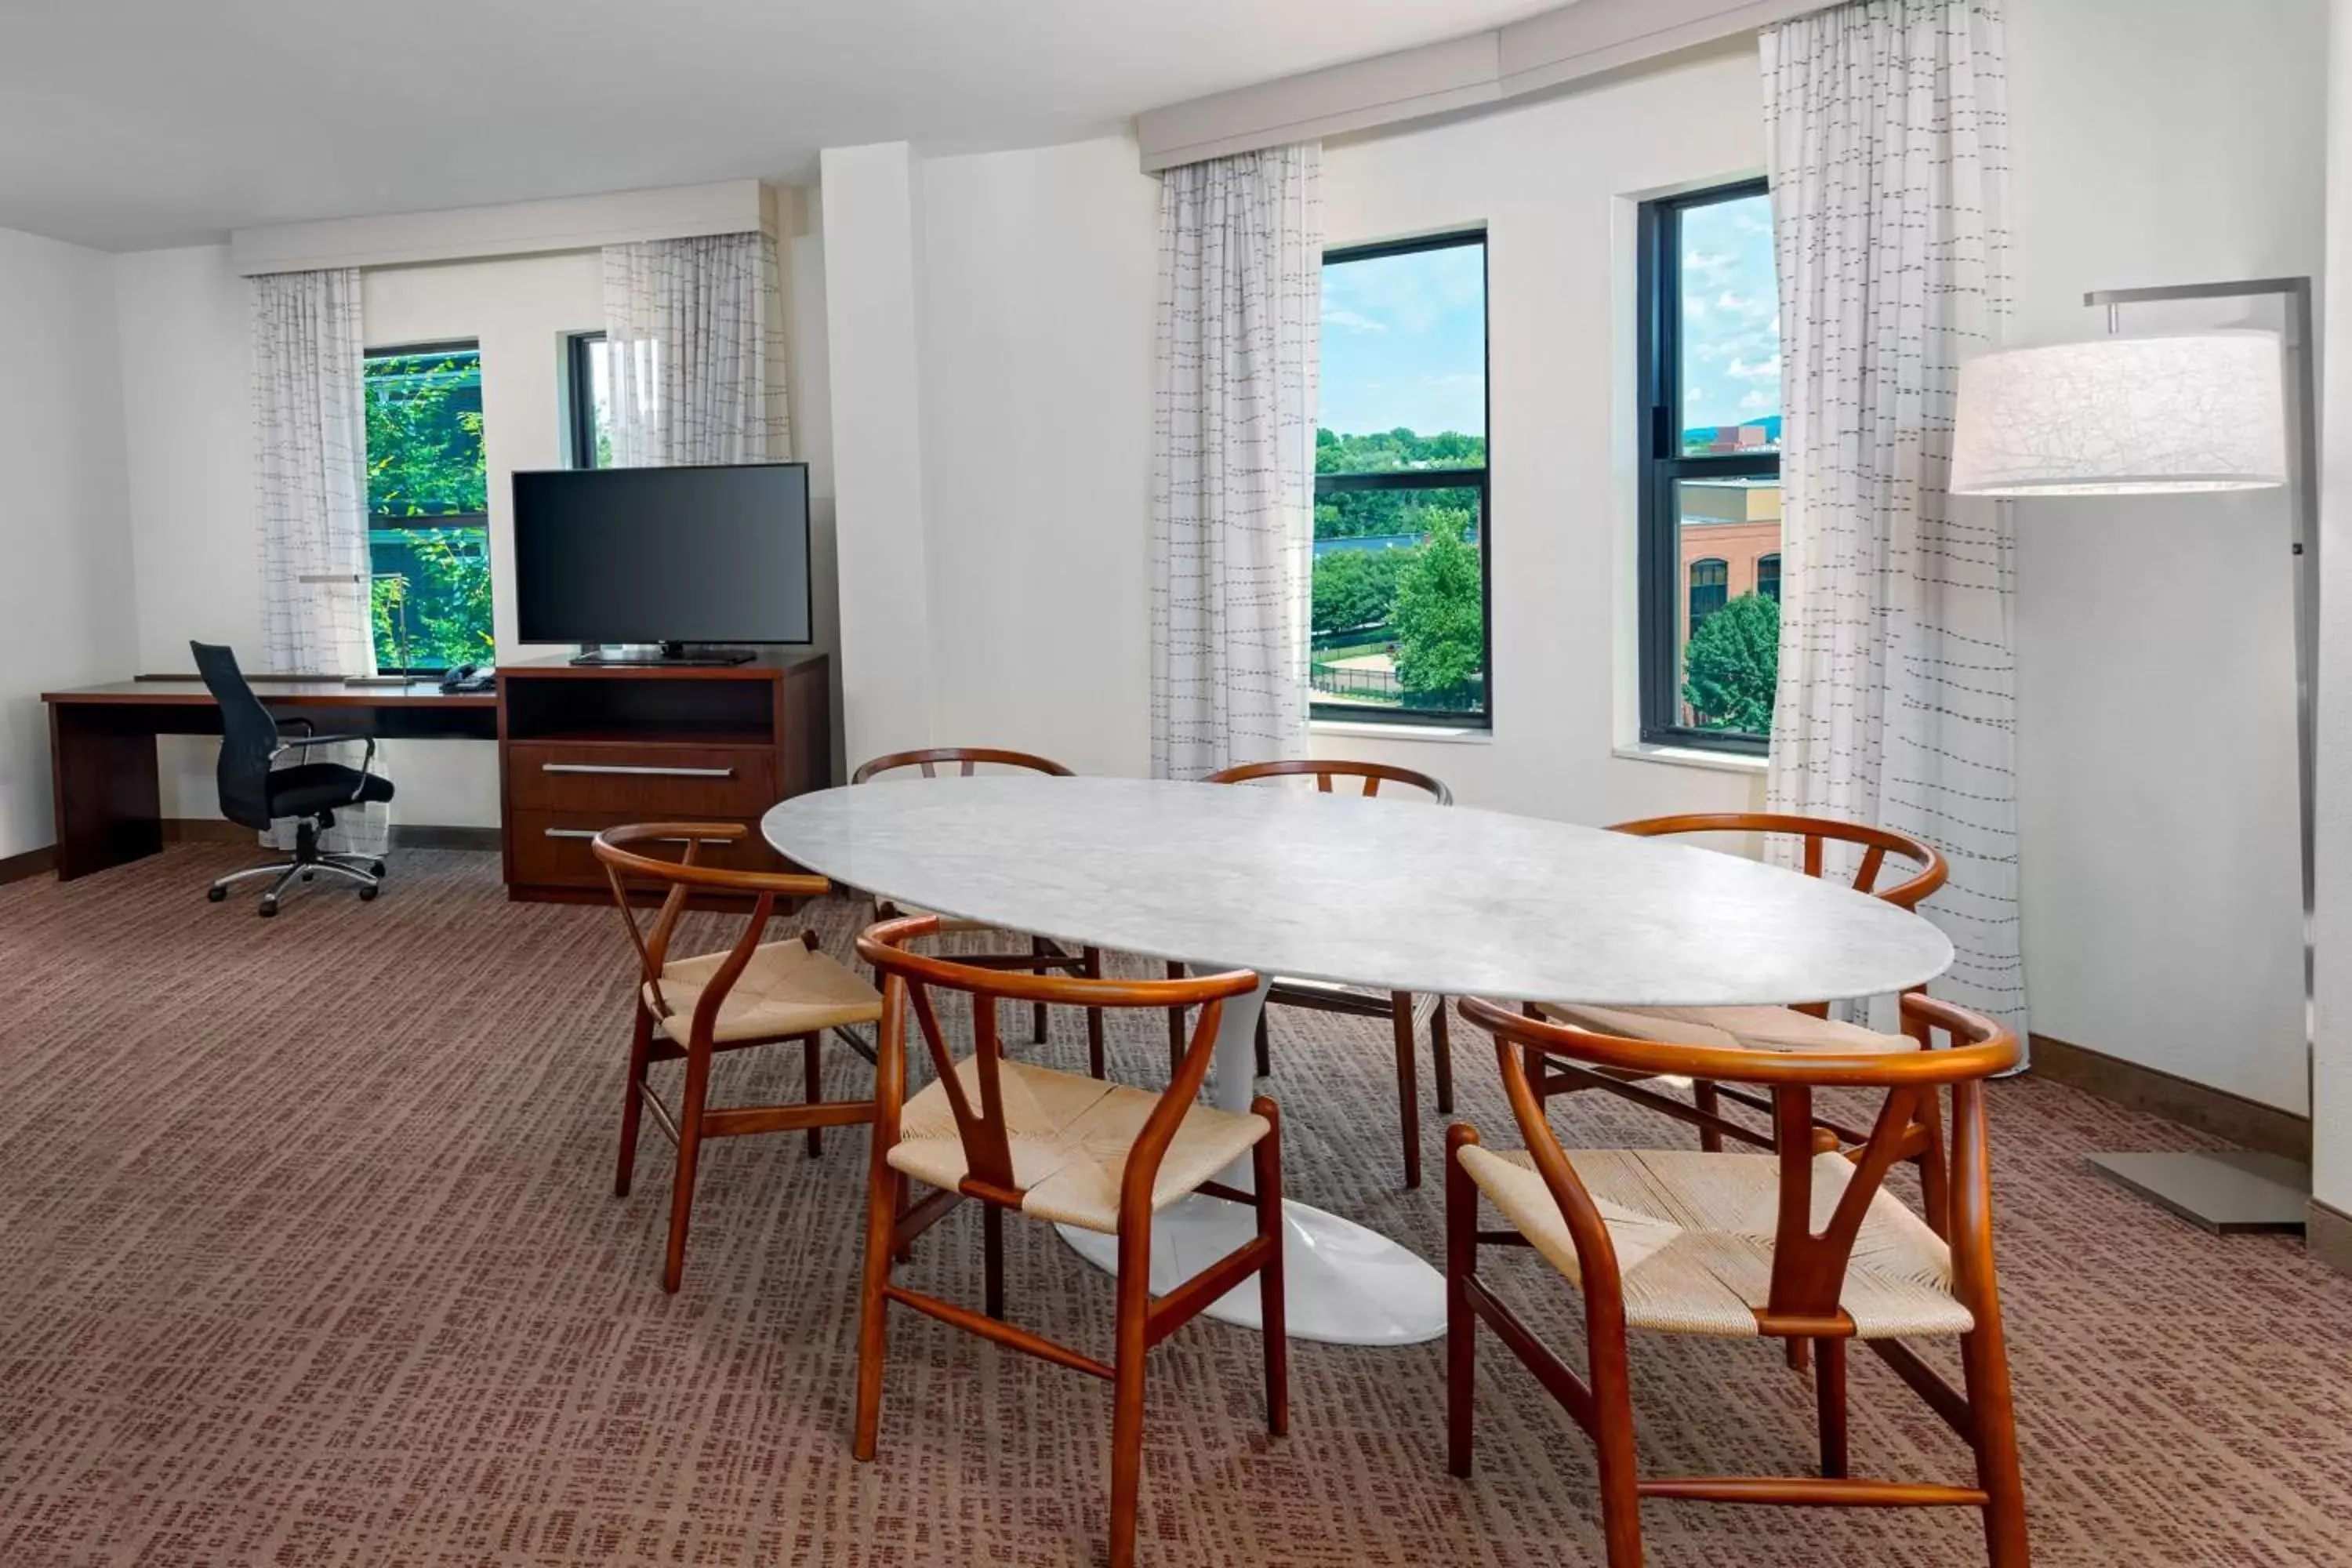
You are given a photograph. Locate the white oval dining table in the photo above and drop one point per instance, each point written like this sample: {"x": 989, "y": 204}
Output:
{"x": 1390, "y": 894}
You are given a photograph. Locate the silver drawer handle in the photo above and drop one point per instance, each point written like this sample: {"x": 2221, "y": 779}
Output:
{"x": 590, "y": 833}
{"x": 645, "y": 772}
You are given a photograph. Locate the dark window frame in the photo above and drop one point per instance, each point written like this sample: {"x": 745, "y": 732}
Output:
{"x": 1433, "y": 479}
{"x": 580, "y": 416}
{"x": 1662, "y": 464}
{"x": 427, "y": 523}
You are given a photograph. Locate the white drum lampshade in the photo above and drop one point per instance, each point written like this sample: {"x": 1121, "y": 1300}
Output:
{"x": 2123, "y": 415}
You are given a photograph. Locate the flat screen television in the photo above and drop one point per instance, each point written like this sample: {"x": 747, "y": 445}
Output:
{"x": 675, "y": 557}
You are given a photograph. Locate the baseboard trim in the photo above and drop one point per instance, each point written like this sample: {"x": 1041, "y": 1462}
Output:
{"x": 2327, "y": 1236}
{"x": 30, "y": 864}
{"x": 2245, "y": 1122}
{"x": 404, "y": 834}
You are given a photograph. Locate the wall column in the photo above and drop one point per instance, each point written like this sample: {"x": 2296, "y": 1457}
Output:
{"x": 873, "y": 236}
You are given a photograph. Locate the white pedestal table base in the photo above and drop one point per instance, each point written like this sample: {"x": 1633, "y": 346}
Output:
{"x": 1343, "y": 1284}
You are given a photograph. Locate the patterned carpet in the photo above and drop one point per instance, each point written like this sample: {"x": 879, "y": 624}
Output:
{"x": 309, "y": 1255}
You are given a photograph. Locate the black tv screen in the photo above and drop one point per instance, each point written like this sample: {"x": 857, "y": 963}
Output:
{"x": 652, "y": 555}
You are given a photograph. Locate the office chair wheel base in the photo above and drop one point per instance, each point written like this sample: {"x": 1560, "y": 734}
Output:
{"x": 215, "y": 893}
{"x": 367, "y": 895}
{"x": 375, "y": 867}
{"x": 310, "y": 876}
{"x": 268, "y": 907}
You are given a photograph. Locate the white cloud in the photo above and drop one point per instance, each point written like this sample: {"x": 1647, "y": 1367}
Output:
{"x": 1759, "y": 401}
{"x": 1738, "y": 305}
{"x": 1754, "y": 370}
{"x": 1350, "y": 321}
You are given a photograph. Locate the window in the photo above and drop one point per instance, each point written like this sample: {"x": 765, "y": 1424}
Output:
{"x": 1399, "y": 622}
{"x": 591, "y": 401}
{"x": 1710, "y": 470}
{"x": 1708, "y": 581}
{"x": 428, "y": 499}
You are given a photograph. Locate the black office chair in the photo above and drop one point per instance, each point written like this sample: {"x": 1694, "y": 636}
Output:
{"x": 254, "y": 793}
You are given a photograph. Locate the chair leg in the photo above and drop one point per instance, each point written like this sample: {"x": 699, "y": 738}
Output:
{"x": 885, "y": 1198}
{"x": 1800, "y": 1352}
{"x": 641, "y": 1041}
{"x": 1093, "y": 970}
{"x": 1134, "y": 1287}
{"x": 1441, "y": 1058}
{"x": 689, "y": 1145}
{"x": 1461, "y": 1322}
{"x": 1984, "y": 1364}
{"x": 1039, "y": 948}
{"x": 1263, "y": 1046}
{"x": 1612, "y": 1438}
{"x": 1708, "y": 1102}
{"x": 1266, "y": 1167}
{"x": 1408, "y": 1084}
{"x": 992, "y": 1246}
{"x": 1175, "y": 1025}
{"x": 1829, "y": 1399}
{"x": 813, "y": 1086}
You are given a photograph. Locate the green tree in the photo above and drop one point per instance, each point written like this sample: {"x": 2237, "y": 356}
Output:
{"x": 1356, "y": 588}
{"x": 1732, "y": 666}
{"x": 1439, "y": 621}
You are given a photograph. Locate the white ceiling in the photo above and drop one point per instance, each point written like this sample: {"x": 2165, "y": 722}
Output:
{"x": 135, "y": 123}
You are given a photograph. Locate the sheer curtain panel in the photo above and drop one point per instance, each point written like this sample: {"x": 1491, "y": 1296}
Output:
{"x": 1888, "y": 141}
{"x": 694, "y": 337}
{"x": 1241, "y": 290}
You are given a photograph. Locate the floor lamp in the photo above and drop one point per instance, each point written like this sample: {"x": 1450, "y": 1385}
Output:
{"x": 2144, "y": 415}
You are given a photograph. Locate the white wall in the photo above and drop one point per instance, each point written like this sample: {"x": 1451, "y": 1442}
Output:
{"x": 2331, "y": 1122}
{"x": 66, "y": 597}
{"x": 1040, "y": 271}
{"x": 2155, "y": 142}
{"x": 1556, "y": 184}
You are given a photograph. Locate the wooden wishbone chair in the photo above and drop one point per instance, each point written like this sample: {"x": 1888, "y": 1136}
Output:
{"x": 1400, "y": 1009}
{"x": 1806, "y": 1027}
{"x": 1643, "y": 1235}
{"x": 1044, "y": 954}
{"x": 754, "y": 994}
{"x": 1068, "y": 1150}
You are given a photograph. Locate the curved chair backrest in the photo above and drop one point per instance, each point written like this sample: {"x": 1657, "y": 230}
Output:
{"x": 908, "y": 980}
{"x": 621, "y": 851}
{"x": 249, "y": 737}
{"x": 1808, "y": 1267}
{"x": 1877, "y": 843}
{"x": 1325, "y": 769}
{"x": 966, "y": 758}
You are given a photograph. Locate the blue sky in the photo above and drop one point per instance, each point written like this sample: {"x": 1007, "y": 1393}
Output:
{"x": 1731, "y": 316}
{"x": 1404, "y": 342}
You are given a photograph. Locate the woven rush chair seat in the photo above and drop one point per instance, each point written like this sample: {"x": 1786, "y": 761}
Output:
{"x": 1070, "y": 1136}
{"x": 787, "y": 989}
{"x": 1744, "y": 1028}
{"x": 1694, "y": 1231}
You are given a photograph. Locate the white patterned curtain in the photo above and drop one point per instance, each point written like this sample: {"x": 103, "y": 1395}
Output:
{"x": 310, "y": 461}
{"x": 1888, "y": 143}
{"x": 310, "y": 457}
{"x": 1241, "y": 290}
{"x": 694, "y": 339}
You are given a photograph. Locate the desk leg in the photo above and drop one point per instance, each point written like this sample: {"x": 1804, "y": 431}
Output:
{"x": 109, "y": 807}
{"x": 1342, "y": 1283}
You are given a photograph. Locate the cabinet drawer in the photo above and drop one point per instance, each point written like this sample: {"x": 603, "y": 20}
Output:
{"x": 552, "y": 847}
{"x": 641, "y": 782}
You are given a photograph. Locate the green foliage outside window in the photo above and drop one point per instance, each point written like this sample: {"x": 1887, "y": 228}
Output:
{"x": 1356, "y": 588}
{"x": 1440, "y": 619}
{"x": 428, "y": 496}
{"x": 1731, "y": 667}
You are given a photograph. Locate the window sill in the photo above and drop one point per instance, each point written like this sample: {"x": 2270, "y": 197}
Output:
{"x": 1691, "y": 757}
{"x": 1447, "y": 733}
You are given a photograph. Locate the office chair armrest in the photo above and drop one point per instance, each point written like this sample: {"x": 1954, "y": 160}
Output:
{"x": 307, "y": 742}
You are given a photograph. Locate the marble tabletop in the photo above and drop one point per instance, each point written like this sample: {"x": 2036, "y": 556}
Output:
{"x": 1390, "y": 893}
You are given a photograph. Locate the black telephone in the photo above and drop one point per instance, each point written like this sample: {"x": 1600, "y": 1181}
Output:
{"x": 470, "y": 678}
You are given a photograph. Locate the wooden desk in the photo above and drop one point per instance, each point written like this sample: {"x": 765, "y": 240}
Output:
{"x": 102, "y": 746}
